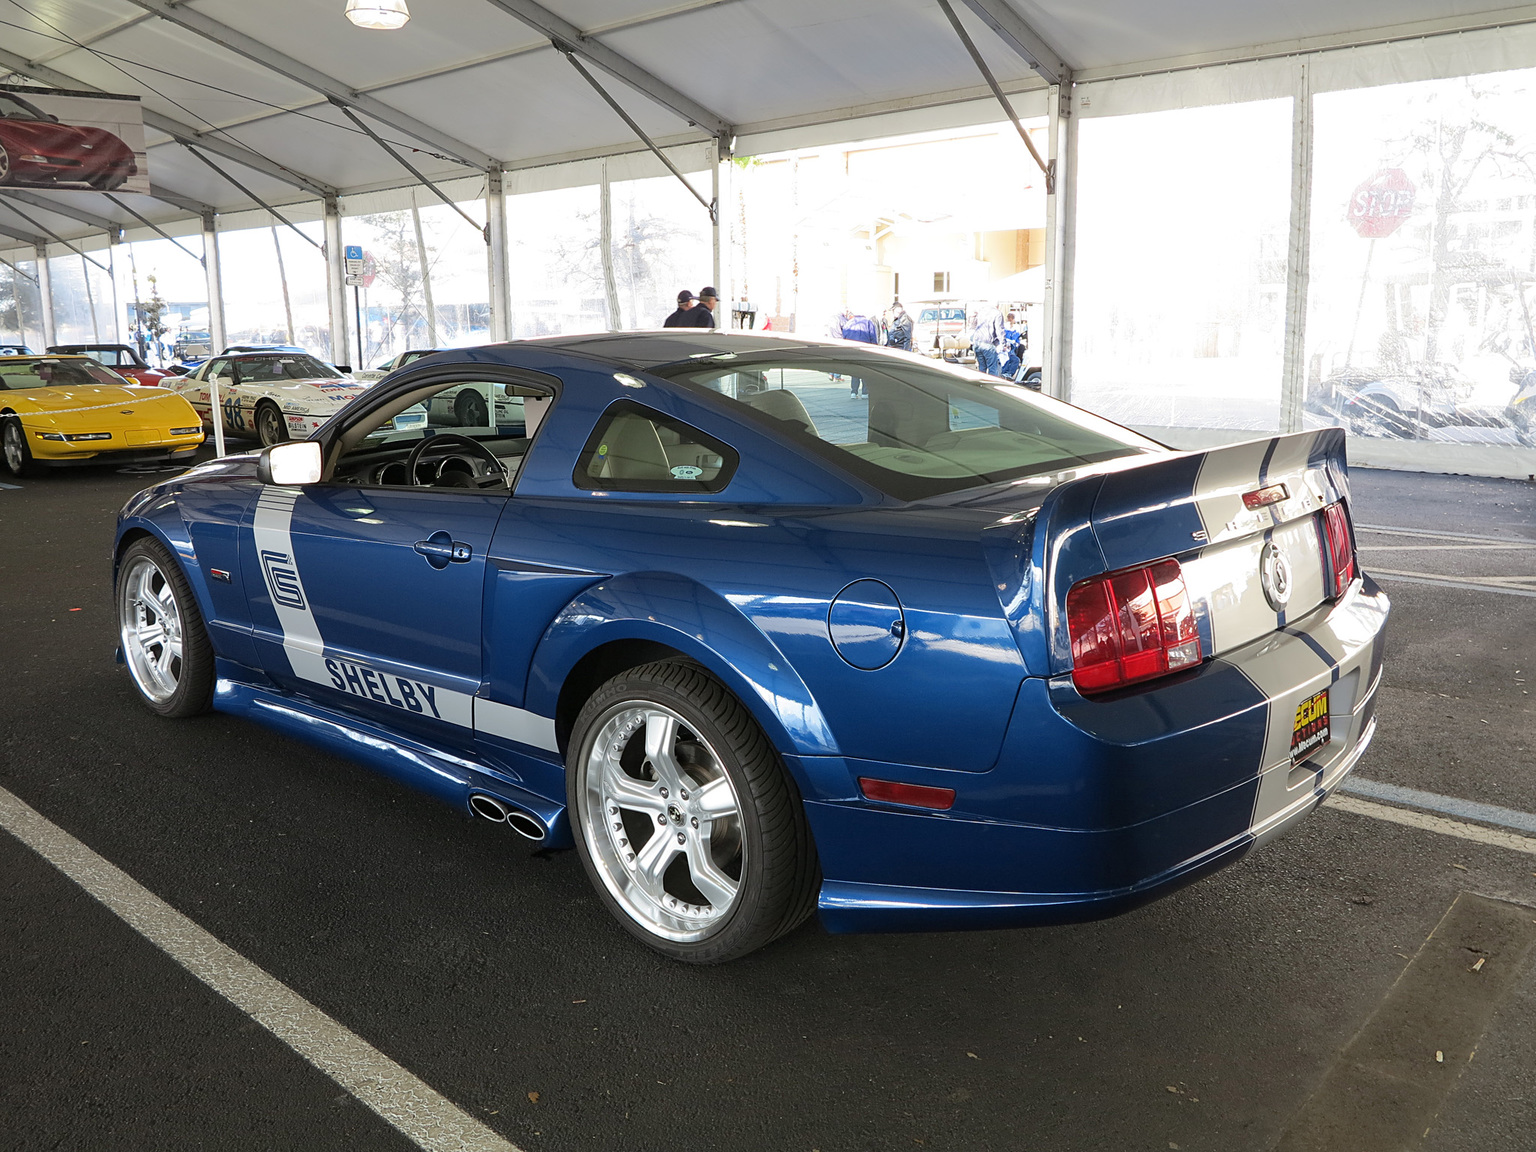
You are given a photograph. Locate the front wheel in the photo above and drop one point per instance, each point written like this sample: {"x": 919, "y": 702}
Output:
{"x": 270, "y": 427}
{"x": 164, "y": 642}
{"x": 13, "y": 445}
{"x": 687, "y": 823}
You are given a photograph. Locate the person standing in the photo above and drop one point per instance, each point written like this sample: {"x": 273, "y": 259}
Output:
{"x": 704, "y": 313}
{"x": 683, "y": 317}
{"x": 866, "y": 331}
{"x": 987, "y": 338}
{"x": 1014, "y": 343}
{"x": 901, "y": 328}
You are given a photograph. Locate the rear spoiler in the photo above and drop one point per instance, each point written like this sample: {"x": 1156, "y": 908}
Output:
{"x": 1168, "y": 506}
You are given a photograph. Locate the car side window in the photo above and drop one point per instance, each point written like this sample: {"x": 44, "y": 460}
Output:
{"x": 637, "y": 449}
{"x": 468, "y": 434}
{"x": 219, "y": 369}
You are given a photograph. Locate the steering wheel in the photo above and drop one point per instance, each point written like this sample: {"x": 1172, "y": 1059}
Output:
{"x": 473, "y": 445}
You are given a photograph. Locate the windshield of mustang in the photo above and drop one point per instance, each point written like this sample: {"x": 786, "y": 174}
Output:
{"x": 910, "y": 427}
{"x": 18, "y": 373}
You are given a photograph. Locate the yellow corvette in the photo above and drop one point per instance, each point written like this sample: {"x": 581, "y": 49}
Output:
{"x": 71, "y": 410}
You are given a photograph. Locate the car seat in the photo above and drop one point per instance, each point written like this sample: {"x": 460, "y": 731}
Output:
{"x": 634, "y": 451}
{"x": 782, "y": 404}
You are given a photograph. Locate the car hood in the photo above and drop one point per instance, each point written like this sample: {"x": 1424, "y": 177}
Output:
{"x": 55, "y": 138}
{"x": 87, "y": 403}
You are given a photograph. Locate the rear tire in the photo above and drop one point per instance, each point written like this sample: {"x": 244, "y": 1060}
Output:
{"x": 470, "y": 411}
{"x": 160, "y": 628}
{"x": 13, "y": 446}
{"x": 688, "y": 824}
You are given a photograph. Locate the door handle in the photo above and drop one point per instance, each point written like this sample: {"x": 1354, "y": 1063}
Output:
{"x": 441, "y": 549}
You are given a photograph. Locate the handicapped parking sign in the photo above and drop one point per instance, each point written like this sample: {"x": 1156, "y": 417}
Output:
{"x": 354, "y": 251}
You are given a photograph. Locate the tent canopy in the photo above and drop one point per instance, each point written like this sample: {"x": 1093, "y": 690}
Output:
{"x": 469, "y": 85}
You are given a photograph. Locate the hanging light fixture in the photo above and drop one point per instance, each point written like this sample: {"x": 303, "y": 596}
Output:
{"x": 386, "y": 14}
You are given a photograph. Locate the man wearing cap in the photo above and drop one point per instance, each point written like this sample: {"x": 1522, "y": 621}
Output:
{"x": 703, "y": 316}
{"x": 683, "y": 317}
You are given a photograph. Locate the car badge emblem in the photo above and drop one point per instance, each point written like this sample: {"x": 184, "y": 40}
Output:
{"x": 1275, "y": 576}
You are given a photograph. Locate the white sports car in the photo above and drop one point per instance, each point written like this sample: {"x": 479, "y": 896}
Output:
{"x": 271, "y": 396}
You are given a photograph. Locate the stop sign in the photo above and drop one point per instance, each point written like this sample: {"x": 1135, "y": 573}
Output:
{"x": 1379, "y": 206}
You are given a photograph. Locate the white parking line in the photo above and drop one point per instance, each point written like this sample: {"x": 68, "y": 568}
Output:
{"x": 422, "y": 1115}
{"x": 1511, "y": 818}
{"x": 1391, "y": 531}
{"x": 1470, "y": 584}
{"x": 1427, "y": 823}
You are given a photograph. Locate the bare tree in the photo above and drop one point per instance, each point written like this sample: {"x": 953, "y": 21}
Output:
{"x": 1460, "y": 151}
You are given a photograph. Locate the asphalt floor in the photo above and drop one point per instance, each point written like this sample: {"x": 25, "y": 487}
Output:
{"x": 1216, "y": 1019}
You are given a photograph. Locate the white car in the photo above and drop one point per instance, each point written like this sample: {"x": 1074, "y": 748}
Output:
{"x": 394, "y": 362}
{"x": 272, "y": 396}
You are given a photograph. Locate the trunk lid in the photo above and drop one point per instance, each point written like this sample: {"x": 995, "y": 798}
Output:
{"x": 1189, "y": 506}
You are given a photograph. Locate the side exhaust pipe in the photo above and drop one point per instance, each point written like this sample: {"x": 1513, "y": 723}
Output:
{"x": 500, "y": 812}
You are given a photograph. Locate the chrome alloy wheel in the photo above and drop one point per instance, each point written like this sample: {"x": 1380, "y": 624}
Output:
{"x": 14, "y": 445}
{"x": 150, "y": 626}
{"x": 662, "y": 821}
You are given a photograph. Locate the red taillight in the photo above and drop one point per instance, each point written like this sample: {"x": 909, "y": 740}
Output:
{"x": 1338, "y": 548}
{"x": 1131, "y": 626}
{"x": 917, "y": 795}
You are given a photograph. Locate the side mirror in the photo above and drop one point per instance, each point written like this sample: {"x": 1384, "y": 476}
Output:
{"x": 292, "y": 463}
{"x": 344, "y": 369}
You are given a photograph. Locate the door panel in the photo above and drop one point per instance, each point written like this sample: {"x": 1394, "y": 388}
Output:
{"x": 348, "y": 609}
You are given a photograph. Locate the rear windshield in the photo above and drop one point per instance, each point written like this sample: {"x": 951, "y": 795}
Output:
{"x": 916, "y": 429}
{"x": 41, "y": 373}
{"x": 929, "y": 315}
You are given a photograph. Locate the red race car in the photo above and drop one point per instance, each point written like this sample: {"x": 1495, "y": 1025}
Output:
{"x": 39, "y": 150}
{"x": 121, "y": 358}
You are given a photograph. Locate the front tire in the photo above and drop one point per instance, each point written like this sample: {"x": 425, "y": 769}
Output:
{"x": 164, "y": 641}
{"x": 270, "y": 426}
{"x": 13, "y": 447}
{"x": 689, "y": 827}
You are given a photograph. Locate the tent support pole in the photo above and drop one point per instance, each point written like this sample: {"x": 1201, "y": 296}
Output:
{"x": 336, "y": 283}
{"x": 1298, "y": 267}
{"x": 497, "y": 257}
{"x": 712, "y": 207}
{"x": 215, "y": 288}
{"x": 45, "y": 292}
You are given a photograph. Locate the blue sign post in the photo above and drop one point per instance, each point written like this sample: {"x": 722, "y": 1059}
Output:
{"x": 353, "y": 254}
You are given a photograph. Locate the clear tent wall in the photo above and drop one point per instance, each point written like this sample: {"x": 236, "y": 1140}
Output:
{"x": 1340, "y": 237}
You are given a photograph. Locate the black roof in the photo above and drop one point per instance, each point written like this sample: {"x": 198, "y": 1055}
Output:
{"x": 668, "y": 345}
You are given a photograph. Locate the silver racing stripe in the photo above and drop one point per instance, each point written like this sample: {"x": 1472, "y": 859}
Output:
{"x": 274, "y": 550}
{"x": 309, "y": 659}
{"x": 1337, "y": 653}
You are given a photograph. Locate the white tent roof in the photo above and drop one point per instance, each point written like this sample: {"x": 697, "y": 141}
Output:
{"x": 472, "y": 83}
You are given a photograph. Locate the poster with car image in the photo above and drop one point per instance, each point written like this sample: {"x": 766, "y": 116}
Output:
{"x": 50, "y": 138}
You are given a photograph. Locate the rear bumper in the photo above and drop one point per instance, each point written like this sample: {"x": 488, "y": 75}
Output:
{"x": 1097, "y": 807}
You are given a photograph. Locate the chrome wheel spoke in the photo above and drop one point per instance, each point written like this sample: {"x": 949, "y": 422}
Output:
{"x": 660, "y": 742}
{"x": 627, "y": 792}
{"x": 718, "y": 888}
{"x": 653, "y": 860}
{"x": 716, "y": 799}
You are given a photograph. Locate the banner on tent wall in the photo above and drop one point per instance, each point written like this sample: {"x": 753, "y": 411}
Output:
{"x": 50, "y": 138}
